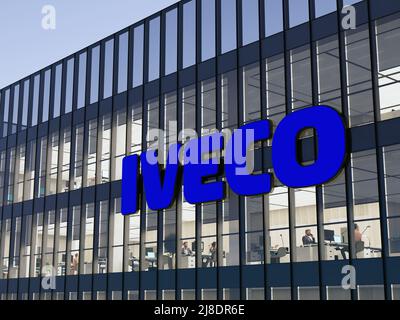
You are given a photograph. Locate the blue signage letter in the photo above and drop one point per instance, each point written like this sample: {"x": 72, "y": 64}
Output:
{"x": 242, "y": 182}
{"x": 130, "y": 172}
{"x": 159, "y": 191}
{"x": 331, "y": 142}
{"x": 195, "y": 190}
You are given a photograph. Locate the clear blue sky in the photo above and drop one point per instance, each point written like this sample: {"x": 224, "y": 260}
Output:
{"x": 26, "y": 47}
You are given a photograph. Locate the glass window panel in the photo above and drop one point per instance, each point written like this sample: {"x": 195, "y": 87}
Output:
{"x": 108, "y": 68}
{"x": 367, "y": 239}
{"x": 92, "y": 153}
{"x": 30, "y": 170}
{"x": 19, "y": 173}
{"x": 254, "y": 248}
{"x": 392, "y": 179}
{"x": 273, "y": 17}
{"x": 328, "y": 63}
{"x": 171, "y": 41}
{"x": 208, "y": 106}
{"x": 46, "y": 96}
{"x": 11, "y": 172}
{"x": 153, "y": 109}
{"x": 51, "y": 187}
{"x": 388, "y": 42}
{"x": 323, "y": 7}
{"x": 300, "y": 64}
{"x": 229, "y": 99}
{"x": 365, "y": 185}
{"x": 298, "y": 12}
{"x": 138, "y": 46}
{"x": 6, "y": 112}
{"x": 25, "y": 246}
{"x": 189, "y": 112}
{"x": 189, "y": 34}
{"x": 105, "y": 148}
{"x": 119, "y": 148}
{"x": 57, "y": 91}
{"x": 275, "y": 86}
{"x": 15, "y": 109}
{"x": 42, "y": 157}
{"x": 350, "y": 2}
{"x": 250, "y": 25}
{"x": 87, "y": 239}
{"x": 334, "y": 200}
{"x": 123, "y": 62}
{"x": 135, "y": 127}
{"x": 228, "y": 25}
{"x": 65, "y": 151}
{"x": 35, "y": 105}
{"x": 254, "y": 213}
{"x": 25, "y": 104}
{"x": 359, "y": 84}
{"x": 37, "y": 236}
{"x": 82, "y": 80}
{"x": 252, "y": 93}
{"x": 207, "y": 29}
{"x": 2, "y": 176}
{"x": 69, "y": 85}
{"x": 75, "y": 240}
{"x": 61, "y": 241}
{"x": 394, "y": 237}
{"x": 94, "y": 77}
{"x": 154, "y": 49}
{"x": 78, "y": 157}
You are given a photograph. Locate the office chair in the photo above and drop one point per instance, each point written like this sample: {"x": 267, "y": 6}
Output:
{"x": 280, "y": 253}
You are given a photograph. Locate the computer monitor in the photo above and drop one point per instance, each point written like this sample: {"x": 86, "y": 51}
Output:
{"x": 149, "y": 252}
{"x": 329, "y": 235}
{"x": 151, "y": 255}
{"x": 337, "y": 238}
{"x": 194, "y": 246}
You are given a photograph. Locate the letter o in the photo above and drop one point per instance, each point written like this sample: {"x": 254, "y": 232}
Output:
{"x": 331, "y": 136}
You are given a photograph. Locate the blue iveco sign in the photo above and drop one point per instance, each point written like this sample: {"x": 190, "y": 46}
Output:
{"x": 198, "y": 165}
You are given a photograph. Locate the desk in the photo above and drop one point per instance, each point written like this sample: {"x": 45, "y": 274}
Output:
{"x": 134, "y": 263}
{"x": 187, "y": 262}
{"x": 307, "y": 253}
{"x": 152, "y": 261}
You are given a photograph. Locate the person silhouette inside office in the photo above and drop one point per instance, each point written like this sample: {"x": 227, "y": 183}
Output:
{"x": 308, "y": 238}
{"x": 186, "y": 251}
{"x": 357, "y": 233}
{"x": 213, "y": 254}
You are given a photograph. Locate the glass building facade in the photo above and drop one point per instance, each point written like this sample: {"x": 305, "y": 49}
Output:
{"x": 205, "y": 64}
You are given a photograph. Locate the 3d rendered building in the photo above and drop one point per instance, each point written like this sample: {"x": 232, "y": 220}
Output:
{"x": 207, "y": 64}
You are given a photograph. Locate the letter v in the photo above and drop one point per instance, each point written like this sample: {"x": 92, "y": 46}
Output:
{"x": 160, "y": 191}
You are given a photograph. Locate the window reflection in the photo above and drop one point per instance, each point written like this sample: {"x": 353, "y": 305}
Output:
{"x": 228, "y": 25}
{"x": 300, "y": 64}
{"x": 359, "y": 84}
{"x": 387, "y": 38}
{"x": 207, "y": 29}
{"x": 251, "y": 92}
{"x": 108, "y": 68}
{"x": 94, "y": 77}
{"x": 250, "y": 26}
{"x": 329, "y": 88}
{"x": 298, "y": 12}
{"x": 189, "y": 34}
{"x": 123, "y": 62}
{"x": 171, "y": 41}
{"x": 154, "y": 49}
{"x": 273, "y": 17}
{"x": 138, "y": 47}
{"x": 82, "y": 80}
